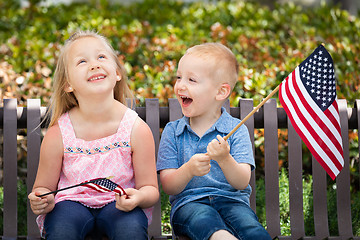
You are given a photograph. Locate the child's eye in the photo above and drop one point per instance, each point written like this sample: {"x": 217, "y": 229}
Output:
{"x": 81, "y": 61}
{"x": 192, "y": 80}
{"x": 101, "y": 56}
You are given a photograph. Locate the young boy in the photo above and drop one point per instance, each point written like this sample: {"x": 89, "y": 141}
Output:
{"x": 207, "y": 177}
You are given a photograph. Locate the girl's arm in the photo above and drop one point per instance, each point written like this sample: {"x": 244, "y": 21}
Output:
{"x": 51, "y": 154}
{"x": 146, "y": 193}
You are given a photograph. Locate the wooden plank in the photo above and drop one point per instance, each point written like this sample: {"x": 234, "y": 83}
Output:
{"x": 10, "y": 168}
{"x": 271, "y": 168}
{"x": 343, "y": 179}
{"x": 33, "y": 154}
{"x": 174, "y": 109}
{"x": 321, "y": 223}
{"x": 246, "y": 106}
{"x": 153, "y": 120}
{"x": 227, "y": 105}
{"x": 295, "y": 183}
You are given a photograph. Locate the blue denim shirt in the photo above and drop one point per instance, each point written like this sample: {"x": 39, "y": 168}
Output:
{"x": 179, "y": 143}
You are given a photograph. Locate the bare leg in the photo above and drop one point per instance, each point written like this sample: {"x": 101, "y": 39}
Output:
{"x": 222, "y": 235}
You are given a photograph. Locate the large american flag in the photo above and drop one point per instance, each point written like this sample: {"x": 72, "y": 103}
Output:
{"x": 104, "y": 185}
{"x": 308, "y": 96}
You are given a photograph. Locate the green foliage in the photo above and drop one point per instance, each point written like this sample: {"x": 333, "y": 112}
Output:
{"x": 165, "y": 213}
{"x": 22, "y": 208}
{"x": 152, "y": 35}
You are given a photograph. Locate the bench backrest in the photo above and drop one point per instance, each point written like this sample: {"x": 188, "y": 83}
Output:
{"x": 269, "y": 117}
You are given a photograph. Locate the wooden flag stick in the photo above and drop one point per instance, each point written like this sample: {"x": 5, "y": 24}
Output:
{"x": 252, "y": 112}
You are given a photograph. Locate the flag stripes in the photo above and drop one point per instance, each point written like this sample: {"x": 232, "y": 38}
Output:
{"x": 319, "y": 130}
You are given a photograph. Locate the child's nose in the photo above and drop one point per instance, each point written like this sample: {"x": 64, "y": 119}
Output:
{"x": 94, "y": 66}
{"x": 180, "y": 84}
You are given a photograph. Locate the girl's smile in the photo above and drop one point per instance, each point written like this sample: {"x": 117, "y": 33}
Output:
{"x": 97, "y": 77}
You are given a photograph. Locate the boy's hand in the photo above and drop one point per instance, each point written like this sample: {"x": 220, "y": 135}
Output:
{"x": 39, "y": 205}
{"x": 199, "y": 165}
{"x": 218, "y": 150}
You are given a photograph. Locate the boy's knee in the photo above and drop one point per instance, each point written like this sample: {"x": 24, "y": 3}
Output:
{"x": 222, "y": 235}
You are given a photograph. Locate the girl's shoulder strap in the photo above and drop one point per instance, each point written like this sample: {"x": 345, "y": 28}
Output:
{"x": 66, "y": 127}
{"x": 127, "y": 121}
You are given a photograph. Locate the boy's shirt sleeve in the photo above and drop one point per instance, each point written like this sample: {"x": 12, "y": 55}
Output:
{"x": 168, "y": 152}
{"x": 241, "y": 148}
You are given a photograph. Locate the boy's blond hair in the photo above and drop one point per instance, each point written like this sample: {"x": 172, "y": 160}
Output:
{"x": 222, "y": 60}
{"x": 63, "y": 101}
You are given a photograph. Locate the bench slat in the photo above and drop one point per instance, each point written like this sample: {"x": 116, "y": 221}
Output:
{"x": 321, "y": 224}
{"x": 343, "y": 179}
{"x": 295, "y": 183}
{"x": 10, "y": 168}
{"x": 153, "y": 120}
{"x": 246, "y": 106}
{"x": 174, "y": 109}
{"x": 271, "y": 156}
{"x": 33, "y": 154}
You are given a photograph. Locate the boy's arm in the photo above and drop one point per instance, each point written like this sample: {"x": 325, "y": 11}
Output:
{"x": 174, "y": 181}
{"x": 237, "y": 174}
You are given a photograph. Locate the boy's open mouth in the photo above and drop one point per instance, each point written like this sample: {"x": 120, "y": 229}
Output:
{"x": 186, "y": 101}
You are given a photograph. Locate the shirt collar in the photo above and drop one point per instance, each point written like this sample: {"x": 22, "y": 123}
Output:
{"x": 223, "y": 124}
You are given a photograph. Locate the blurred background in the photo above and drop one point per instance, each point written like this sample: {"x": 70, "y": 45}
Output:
{"x": 350, "y": 5}
{"x": 269, "y": 38}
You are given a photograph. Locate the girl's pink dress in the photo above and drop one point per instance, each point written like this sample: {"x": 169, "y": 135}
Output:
{"x": 86, "y": 160}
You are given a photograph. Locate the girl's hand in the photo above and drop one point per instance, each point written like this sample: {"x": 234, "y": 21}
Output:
{"x": 199, "y": 165}
{"x": 41, "y": 205}
{"x": 130, "y": 201}
{"x": 218, "y": 150}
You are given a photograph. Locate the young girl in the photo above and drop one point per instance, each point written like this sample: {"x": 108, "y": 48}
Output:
{"x": 93, "y": 134}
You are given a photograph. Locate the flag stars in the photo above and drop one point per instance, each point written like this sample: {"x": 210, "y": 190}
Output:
{"x": 318, "y": 77}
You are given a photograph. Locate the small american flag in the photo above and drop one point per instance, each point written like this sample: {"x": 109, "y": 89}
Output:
{"x": 308, "y": 96}
{"x": 98, "y": 184}
{"x": 104, "y": 185}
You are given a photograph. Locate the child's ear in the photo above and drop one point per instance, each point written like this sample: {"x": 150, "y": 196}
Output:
{"x": 68, "y": 88}
{"x": 223, "y": 92}
{"x": 118, "y": 76}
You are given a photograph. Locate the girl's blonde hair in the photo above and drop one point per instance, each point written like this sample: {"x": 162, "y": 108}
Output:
{"x": 62, "y": 101}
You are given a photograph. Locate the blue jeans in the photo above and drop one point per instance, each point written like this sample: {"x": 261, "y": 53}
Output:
{"x": 201, "y": 218}
{"x": 72, "y": 220}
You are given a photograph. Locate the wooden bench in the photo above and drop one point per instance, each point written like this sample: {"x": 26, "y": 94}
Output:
{"x": 269, "y": 117}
